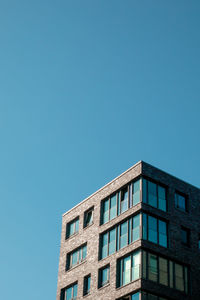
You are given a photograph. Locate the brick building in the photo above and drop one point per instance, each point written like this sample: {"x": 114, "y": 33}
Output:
{"x": 138, "y": 237}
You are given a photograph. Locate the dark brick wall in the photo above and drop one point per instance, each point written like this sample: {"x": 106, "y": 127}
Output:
{"x": 176, "y": 251}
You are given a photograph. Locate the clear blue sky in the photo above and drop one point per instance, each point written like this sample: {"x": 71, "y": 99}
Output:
{"x": 87, "y": 88}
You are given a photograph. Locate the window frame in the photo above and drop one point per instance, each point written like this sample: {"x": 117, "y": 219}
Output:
{"x": 187, "y": 232}
{"x": 146, "y": 191}
{"x": 177, "y": 206}
{"x": 64, "y": 291}
{"x": 74, "y": 223}
{"x": 102, "y": 284}
{"x": 86, "y": 291}
{"x": 86, "y": 224}
{"x": 80, "y": 259}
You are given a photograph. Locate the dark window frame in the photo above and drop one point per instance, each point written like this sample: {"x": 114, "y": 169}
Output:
{"x": 64, "y": 290}
{"x": 68, "y": 235}
{"x": 157, "y": 183}
{"x": 86, "y": 291}
{"x": 118, "y": 193}
{"x": 102, "y": 284}
{"x": 187, "y": 232}
{"x": 69, "y": 256}
{"x": 85, "y": 223}
{"x": 178, "y": 193}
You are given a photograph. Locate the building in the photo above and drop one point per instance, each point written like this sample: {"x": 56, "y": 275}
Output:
{"x": 138, "y": 237}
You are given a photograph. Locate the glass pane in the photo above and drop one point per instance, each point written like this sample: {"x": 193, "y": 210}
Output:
{"x": 124, "y": 200}
{"x": 152, "y": 232}
{"x": 71, "y": 228}
{"x": 136, "y": 192}
{"x": 127, "y": 270}
{"x": 124, "y": 234}
{"x": 136, "y": 265}
{"x": 75, "y": 288}
{"x": 163, "y": 271}
{"x": 136, "y": 228}
{"x": 74, "y": 258}
{"x": 179, "y": 283}
{"x": 186, "y": 279}
{"x": 105, "y": 275}
{"x": 69, "y": 294}
{"x": 113, "y": 207}
{"x": 104, "y": 251}
{"x": 89, "y": 218}
{"x": 171, "y": 275}
{"x": 161, "y": 198}
{"x": 112, "y": 241}
{"x": 162, "y": 228}
{"x": 144, "y": 265}
{"x": 135, "y": 296}
{"x": 144, "y": 226}
{"x": 105, "y": 211}
{"x": 84, "y": 252}
{"x": 181, "y": 202}
{"x": 144, "y": 190}
{"x": 152, "y": 267}
{"x": 152, "y": 194}
{"x": 77, "y": 225}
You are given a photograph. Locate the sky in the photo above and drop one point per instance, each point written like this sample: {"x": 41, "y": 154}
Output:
{"x": 87, "y": 89}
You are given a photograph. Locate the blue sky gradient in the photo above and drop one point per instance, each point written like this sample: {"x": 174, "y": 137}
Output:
{"x": 87, "y": 89}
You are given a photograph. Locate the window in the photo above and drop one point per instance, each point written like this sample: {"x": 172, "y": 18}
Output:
{"x": 76, "y": 257}
{"x": 104, "y": 276}
{"x": 164, "y": 271}
{"x": 147, "y": 296}
{"x": 185, "y": 236}
{"x": 70, "y": 292}
{"x": 180, "y": 202}
{"x": 154, "y": 230}
{"x": 119, "y": 202}
{"x": 119, "y": 236}
{"x": 128, "y": 268}
{"x": 86, "y": 285}
{"x": 154, "y": 194}
{"x": 199, "y": 243}
{"x": 88, "y": 217}
{"x": 72, "y": 228}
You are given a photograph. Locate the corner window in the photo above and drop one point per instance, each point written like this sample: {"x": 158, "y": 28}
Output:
{"x": 88, "y": 217}
{"x": 72, "y": 228}
{"x": 185, "y": 236}
{"x": 128, "y": 268}
{"x": 104, "y": 276}
{"x": 86, "y": 284}
{"x": 70, "y": 292}
{"x": 180, "y": 202}
{"x": 154, "y": 230}
{"x": 76, "y": 257}
{"x": 154, "y": 194}
{"x": 164, "y": 271}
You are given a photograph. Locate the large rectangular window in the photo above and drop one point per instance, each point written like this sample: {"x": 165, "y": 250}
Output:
{"x": 72, "y": 227}
{"x": 119, "y": 202}
{"x": 128, "y": 268}
{"x": 76, "y": 257}
{"x": 154, "y": 230}
{"x": 154, "y": 194}
{"x": 142, "y": 296}
{"x": 70, "y": 292}
{"x": 164, "y": 271}
{"x": 120, "y": 236}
